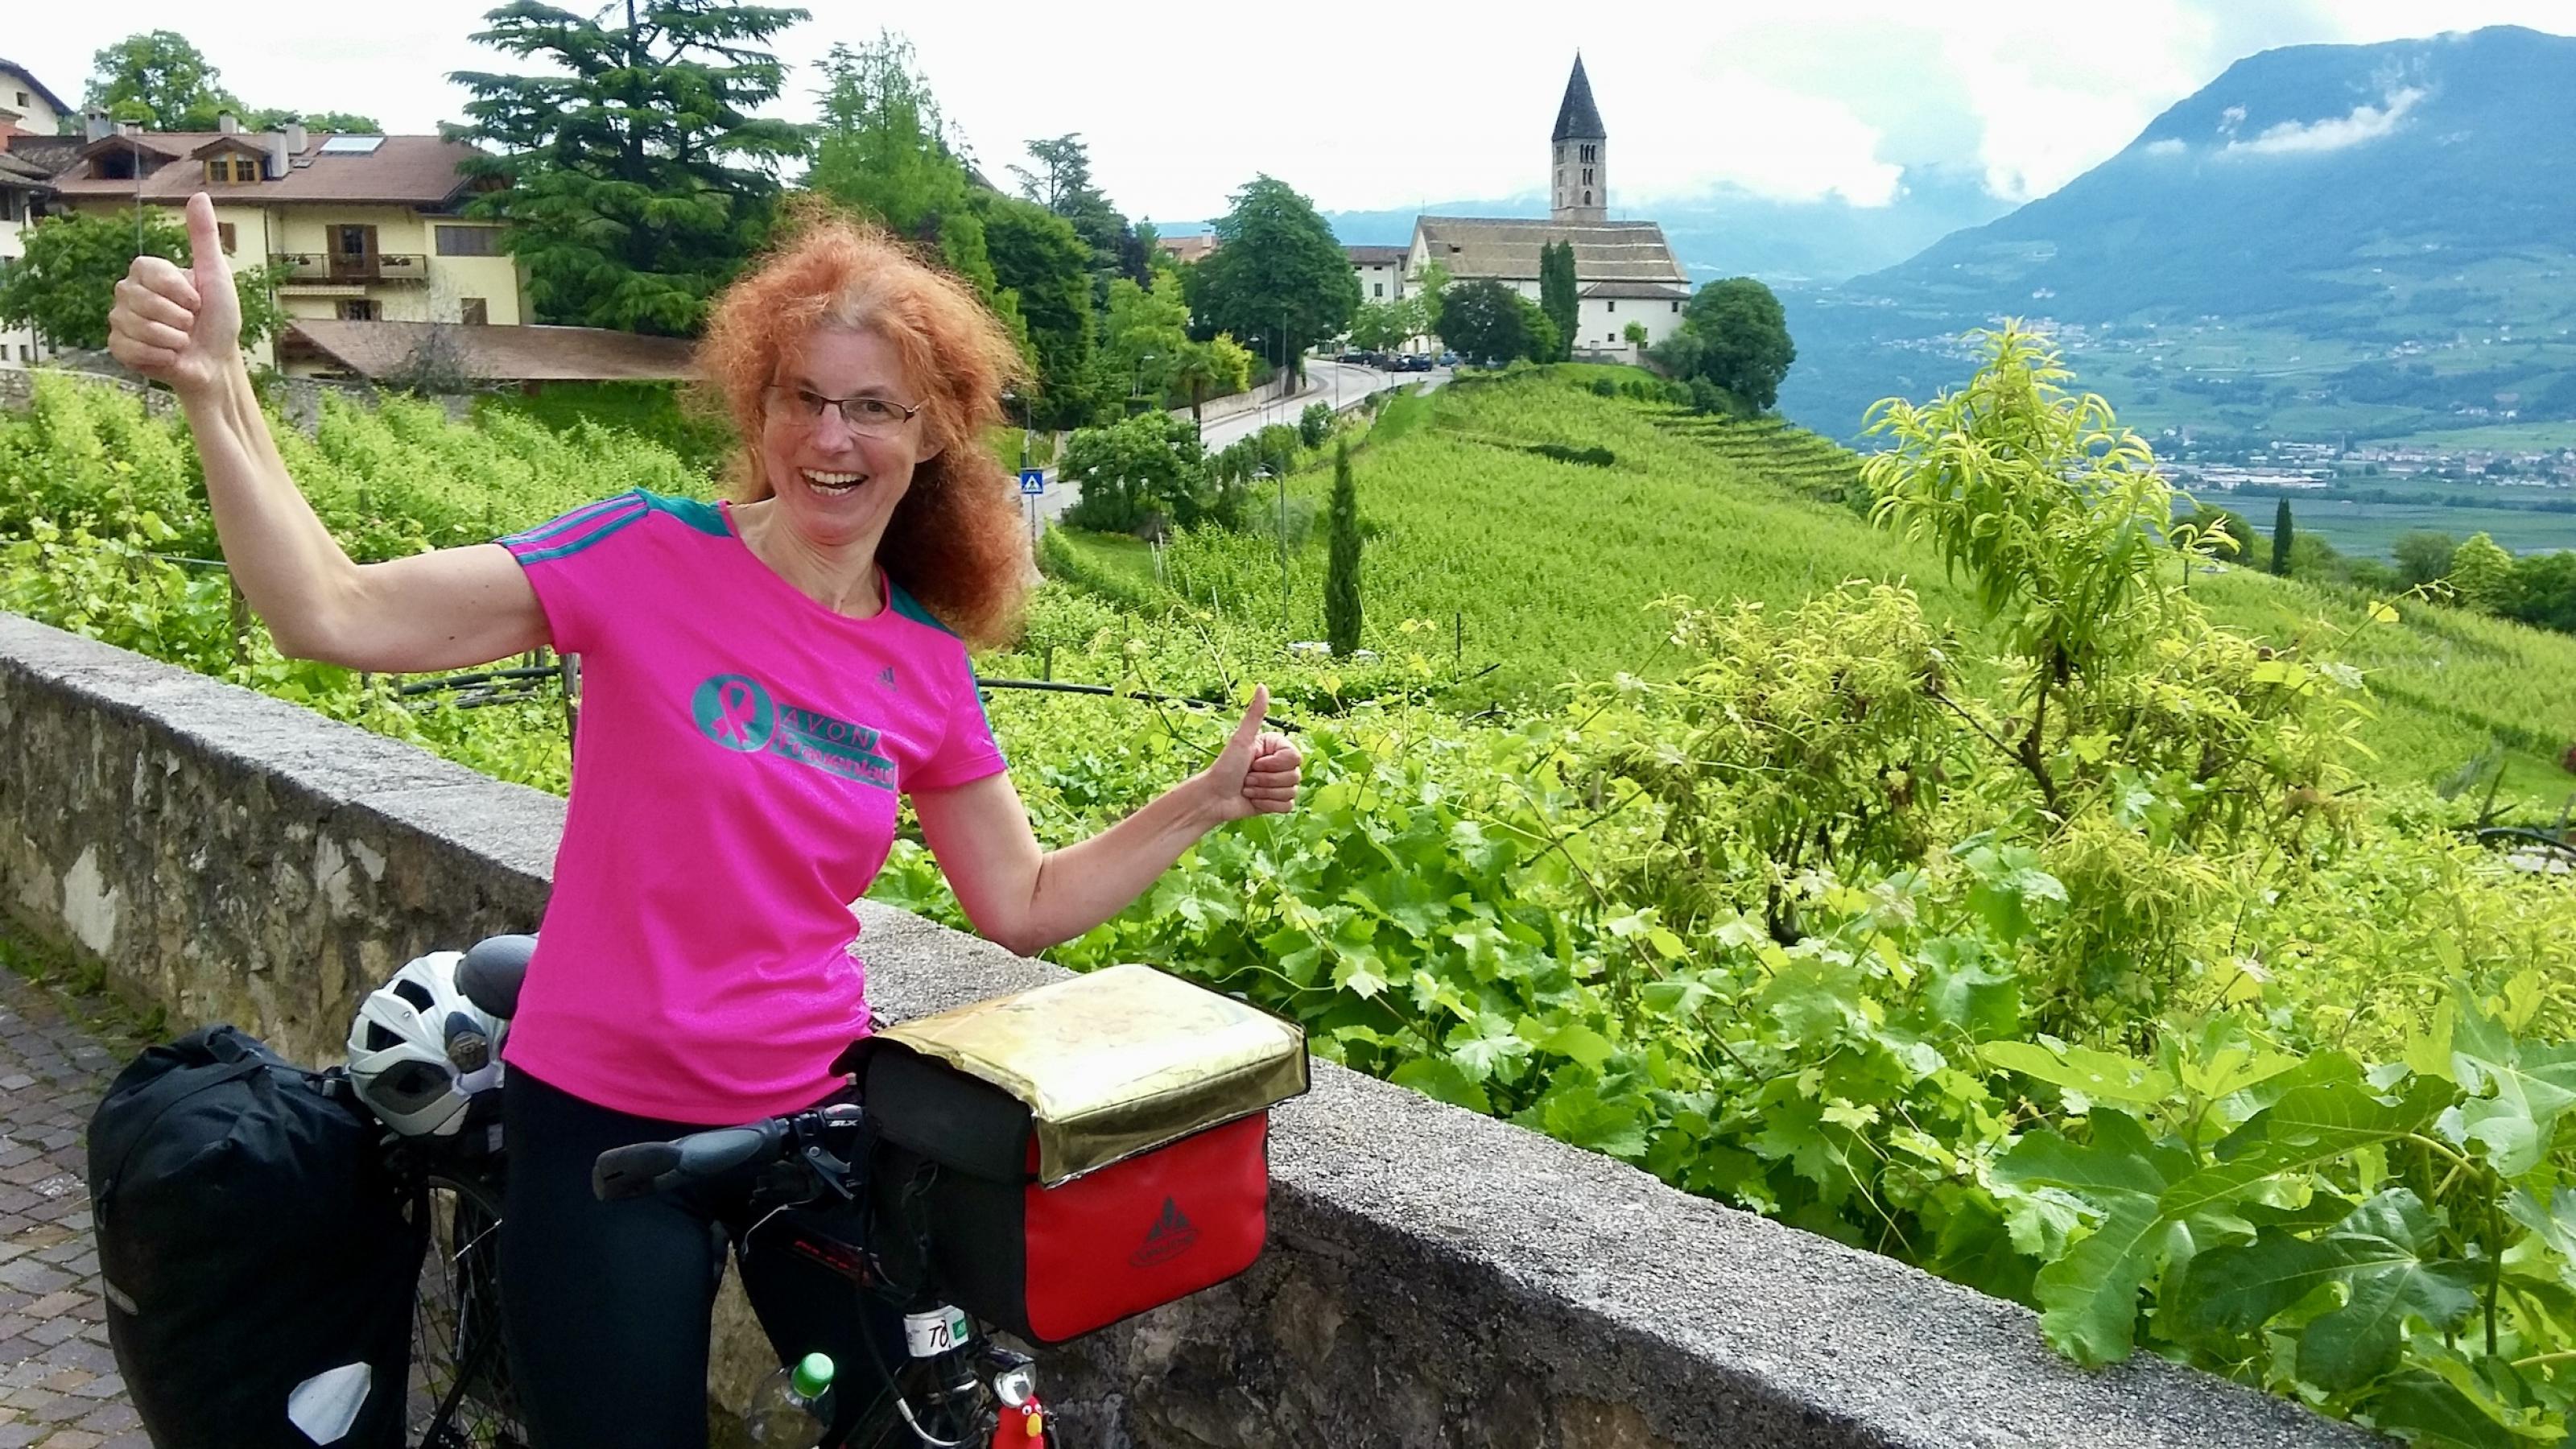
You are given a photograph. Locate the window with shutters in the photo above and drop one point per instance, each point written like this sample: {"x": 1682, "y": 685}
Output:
{"x": 357, "y": 309}
{"x": 469, "y": 241}
{"x": 224, "y": 234}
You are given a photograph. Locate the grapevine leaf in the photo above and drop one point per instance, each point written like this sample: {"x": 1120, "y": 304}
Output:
{"x": 1575, "y": 1040}
{"x": 1442, "y": 1080}
{"x": 2117, "y": 1160}
{"x": 2103, "y": 1076}
{"x": 2532, "y": 1086}
{"x": 2089, "y": 1298}
{"x": 2428, "y": 1411}
{"x": 1577, "y": 1113}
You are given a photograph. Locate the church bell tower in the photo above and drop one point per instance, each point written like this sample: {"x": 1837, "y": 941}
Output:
{"x": 1579, "y": 155}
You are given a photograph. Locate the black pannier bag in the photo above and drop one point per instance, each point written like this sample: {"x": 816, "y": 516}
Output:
{"x": 260, "y": 1260}
{"x": 1079, "y": 1153}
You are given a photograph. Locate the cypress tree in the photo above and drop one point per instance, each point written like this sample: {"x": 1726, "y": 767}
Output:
{"x": 2283, "y": 534}
{"x": 1556, "y": 294}
{"x": 1342, "y": 574}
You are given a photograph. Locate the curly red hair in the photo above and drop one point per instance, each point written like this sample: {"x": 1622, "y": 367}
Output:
{"x": 956, "y": 542}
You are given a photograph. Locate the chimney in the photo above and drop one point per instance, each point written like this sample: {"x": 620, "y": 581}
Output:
{"x": 98, "y": 127}
{"x": 294, "y": 139}
{"x": 129, "y": 128}
{"x": 278, "y": 148}
{"x": 227, "y": 123}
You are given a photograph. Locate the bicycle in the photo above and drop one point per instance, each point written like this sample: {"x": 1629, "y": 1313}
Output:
{"x": 957, "y": 1386}
{"x": 460, "y": 1392}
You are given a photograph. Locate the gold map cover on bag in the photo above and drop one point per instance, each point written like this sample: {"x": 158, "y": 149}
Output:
{"x": 1117, "y": 1062}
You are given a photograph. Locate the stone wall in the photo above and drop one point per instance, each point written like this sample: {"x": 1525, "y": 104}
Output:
{"x": 1436, "y": 1278}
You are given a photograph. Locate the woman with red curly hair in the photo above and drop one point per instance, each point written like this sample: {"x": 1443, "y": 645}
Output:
{"x": 764, "y": 677}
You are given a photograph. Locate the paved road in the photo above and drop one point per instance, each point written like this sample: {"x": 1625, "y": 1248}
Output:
{"x": 1343, "y": 386}
{"x": 58, "y": 1384}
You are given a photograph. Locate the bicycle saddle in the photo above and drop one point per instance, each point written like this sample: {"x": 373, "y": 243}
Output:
{"x": 492, "y": 971}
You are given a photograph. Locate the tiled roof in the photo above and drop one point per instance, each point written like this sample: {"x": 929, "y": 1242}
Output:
{"x": 405, "y": 171}
{"x": 22, "y": 73}
{"x": 1187, "y": 248}
{"x": 1378, "y": 256}
{"x": 498, "y": 354}
{"x": 47, "y": 154}
{"x": 1507, "y": 248}
{"x": 18, "y": 173}
{"x": 1576, "y": 116}
{"x": 1656, "y": 291}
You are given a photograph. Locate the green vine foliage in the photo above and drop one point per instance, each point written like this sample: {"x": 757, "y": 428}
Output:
{"x": 2188, "y": 1048}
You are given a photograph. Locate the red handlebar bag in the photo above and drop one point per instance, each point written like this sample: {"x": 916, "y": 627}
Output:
{"x": 1085, "y": 1151}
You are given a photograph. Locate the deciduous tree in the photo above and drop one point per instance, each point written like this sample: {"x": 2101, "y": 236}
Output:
{"x": 1734, "y": 334}
{"x": 159, "y": 78}
{"x": 2482, "y": 574}
{"x": 1276, "y": 273}
{"x": 1485, "y": 320}
{"x": 66, "y": 283}
{"x": 1038, "y": 257}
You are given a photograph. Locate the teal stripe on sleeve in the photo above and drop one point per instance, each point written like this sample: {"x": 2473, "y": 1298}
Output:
{"x": 577, "y": 517}
{"x": 586, "y": 540}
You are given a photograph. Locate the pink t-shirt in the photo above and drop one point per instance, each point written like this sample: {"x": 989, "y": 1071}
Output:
{"x": 734, "y": 784}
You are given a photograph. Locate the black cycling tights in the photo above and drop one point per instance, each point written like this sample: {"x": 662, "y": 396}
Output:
{"x": 608, "y": 1302}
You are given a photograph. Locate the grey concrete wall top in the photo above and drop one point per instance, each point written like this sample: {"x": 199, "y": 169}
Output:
{"x": 1465, "y": 1260}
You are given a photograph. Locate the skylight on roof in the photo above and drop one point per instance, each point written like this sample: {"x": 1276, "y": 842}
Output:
{"x": 352, "y": 145}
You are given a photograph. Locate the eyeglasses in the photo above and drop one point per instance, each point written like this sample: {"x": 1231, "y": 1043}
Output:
{"x": 871, "y": 417}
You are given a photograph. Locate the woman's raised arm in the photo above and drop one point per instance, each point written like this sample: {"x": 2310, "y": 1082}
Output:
{"x": 441, "y": 610}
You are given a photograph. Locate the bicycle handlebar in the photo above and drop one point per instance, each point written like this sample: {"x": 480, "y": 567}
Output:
{"x": 650, "y": 1167}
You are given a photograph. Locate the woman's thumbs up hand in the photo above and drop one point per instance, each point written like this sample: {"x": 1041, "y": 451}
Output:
{"x": 180, "y": 326}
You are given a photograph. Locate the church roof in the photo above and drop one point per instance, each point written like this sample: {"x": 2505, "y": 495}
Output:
{"x": 1506, "y": 248}
{"x": 1576, "y": 116}
{"x": 1651, "y": 291}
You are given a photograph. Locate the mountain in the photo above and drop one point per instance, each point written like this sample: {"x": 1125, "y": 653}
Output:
{"x": 2369, "y": 239}
{"x": 1731, "y": 232}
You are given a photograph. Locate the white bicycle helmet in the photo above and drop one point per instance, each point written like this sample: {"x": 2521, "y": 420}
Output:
{"x": 419, "y": 1050}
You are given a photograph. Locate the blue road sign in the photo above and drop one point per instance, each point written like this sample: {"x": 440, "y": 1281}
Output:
{"x": 1032, "y": 481}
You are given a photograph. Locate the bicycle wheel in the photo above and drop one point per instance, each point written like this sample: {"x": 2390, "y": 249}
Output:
{"x": 461, "y": 1396}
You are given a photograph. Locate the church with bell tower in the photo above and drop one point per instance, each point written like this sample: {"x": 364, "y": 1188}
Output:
{"x": 1579, "y": 151}
{"x": 1626, "y": 277}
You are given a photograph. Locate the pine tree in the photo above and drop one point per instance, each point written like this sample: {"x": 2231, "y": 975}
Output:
{"x": 634, "y": 176}
{"x": 2283, "y": 535}
{"x": 1342, "y": 574}
{"x": 1557, "y": 296}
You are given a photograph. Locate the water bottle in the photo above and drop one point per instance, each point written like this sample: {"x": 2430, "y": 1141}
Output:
{"x": 794, "y": 1405}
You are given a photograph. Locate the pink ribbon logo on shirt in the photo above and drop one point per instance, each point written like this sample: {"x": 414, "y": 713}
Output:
{"x": 734, "y": 711}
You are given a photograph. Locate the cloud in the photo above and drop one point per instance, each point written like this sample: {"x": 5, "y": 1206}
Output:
{"x": 2166, "y": 147}
{"x": 1810, "y": 147}
{"x": 2366, "y": 123}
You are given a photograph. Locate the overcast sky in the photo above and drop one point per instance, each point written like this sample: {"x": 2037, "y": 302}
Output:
{"x": 1374, "y": 106}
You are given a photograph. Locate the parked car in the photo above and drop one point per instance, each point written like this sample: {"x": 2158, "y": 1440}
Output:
{"x": 1448, "y": 359}
{"x": 1354, "y": 356}
{"x": 1413, "y": 362}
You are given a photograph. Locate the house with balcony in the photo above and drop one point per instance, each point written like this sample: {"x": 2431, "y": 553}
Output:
{"x": 26, "y": 108}
{"x": 352, "y": 228}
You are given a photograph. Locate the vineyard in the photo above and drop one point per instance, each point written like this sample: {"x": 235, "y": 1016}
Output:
{"x": 1544, "y": 568}
{"x": 2064, "y": 951}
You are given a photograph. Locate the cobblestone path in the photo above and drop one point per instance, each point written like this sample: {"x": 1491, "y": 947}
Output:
{"x": 58, "y": 1384}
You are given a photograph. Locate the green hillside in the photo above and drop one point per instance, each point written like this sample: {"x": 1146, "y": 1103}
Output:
{"x": 1547, "y": 570}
